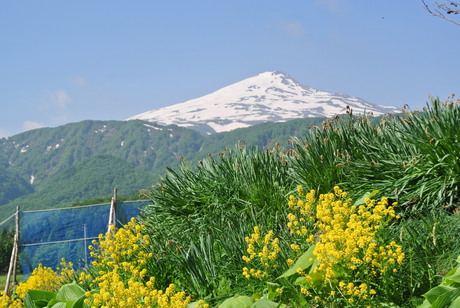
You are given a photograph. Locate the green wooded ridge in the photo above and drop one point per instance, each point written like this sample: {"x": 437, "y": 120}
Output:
{"x": 86, "y": 160}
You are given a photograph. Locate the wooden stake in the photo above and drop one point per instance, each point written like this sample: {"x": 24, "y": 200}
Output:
{"x": 14, "y": 255}
{"x": 17, "y": 246}
{"x": 113, "y": 212}
{"x": 7, "y": 283}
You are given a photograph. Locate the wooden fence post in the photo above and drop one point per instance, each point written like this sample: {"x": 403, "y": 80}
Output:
{"x": 14, "y": 256}
{"x": 113, "y": 210}
{"x": 17, "y": 246}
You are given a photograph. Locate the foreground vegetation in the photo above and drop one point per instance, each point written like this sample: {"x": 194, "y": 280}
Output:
{"x": 355, "y": 215}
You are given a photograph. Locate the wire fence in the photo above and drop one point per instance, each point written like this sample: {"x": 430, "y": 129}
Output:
{"x": 48, "y": 236}
{"x": 7, "y": 224}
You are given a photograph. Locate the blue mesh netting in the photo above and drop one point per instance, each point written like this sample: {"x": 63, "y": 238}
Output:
{"x": 48, "y": 236}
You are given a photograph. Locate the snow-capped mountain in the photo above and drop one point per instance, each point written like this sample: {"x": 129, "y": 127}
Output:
{"x": 267, "y": 97}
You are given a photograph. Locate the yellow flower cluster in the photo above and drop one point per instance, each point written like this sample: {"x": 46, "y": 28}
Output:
{"x": 248, "y": 273}
{"x": 45, "y": 278}
{"x": 301, "y": 221}
{"x": 348, "y": 234}
{"x": 6, "y": 301}
{"x": 347, "y": 246}
{"x": 120, "y": 275}
{"x": 122, "y": 244}
{"x": 355, "y": 290}
{"x": 384, "y": 257}
{"x": 263, "y": 249}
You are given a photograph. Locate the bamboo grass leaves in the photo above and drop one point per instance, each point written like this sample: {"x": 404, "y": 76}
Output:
{"x": 412, "y": 157}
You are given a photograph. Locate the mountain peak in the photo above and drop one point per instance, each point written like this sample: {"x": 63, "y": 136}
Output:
{"x": 271, "y": 96}
{"x": 271, "y": 74}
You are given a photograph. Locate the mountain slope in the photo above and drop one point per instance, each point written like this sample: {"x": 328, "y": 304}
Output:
{"x": 84, "y": 160}
{"x": 37, "y": 155}
{"x": 86, "y": 180}
{"x": 12, "y": 186}
{"x": 267, "y": 97}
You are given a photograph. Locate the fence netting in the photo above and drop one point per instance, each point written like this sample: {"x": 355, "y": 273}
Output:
{"x": 48, "y": 236}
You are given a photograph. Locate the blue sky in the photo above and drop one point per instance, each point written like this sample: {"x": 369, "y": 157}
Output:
{"x": 67, "y": 61}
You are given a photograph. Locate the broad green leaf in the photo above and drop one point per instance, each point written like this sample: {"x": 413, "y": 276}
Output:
{"x": 266, "y": 303}
{"x": 70, "y": 292}
{"x": 425, "y": 304}
{"x": 38, "y": 298}
{"x": 28, "y": 302}
{"x": 452, "y": 276}
{"x": 52, "y": 302}
{"x": 436, "y": 292}
{"x": 40, "y": 303}
{"x": 62, "y": 305}
{"x": 446, "y": 298}
{"x": 303, "y": 262}
{"x": 455, "y": 303}
{"x": 79, "y": 303}
{"x": 237, "y": 302}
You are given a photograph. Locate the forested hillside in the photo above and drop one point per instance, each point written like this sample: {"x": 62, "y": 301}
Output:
{"x": 39, "y": 154}
{"x": 55, "y": 167}
{"x": 90, "y": 177}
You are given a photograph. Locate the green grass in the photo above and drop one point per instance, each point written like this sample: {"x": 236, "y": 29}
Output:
{"x": 204, "y": 213}
{"x": 3, "y": 281}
